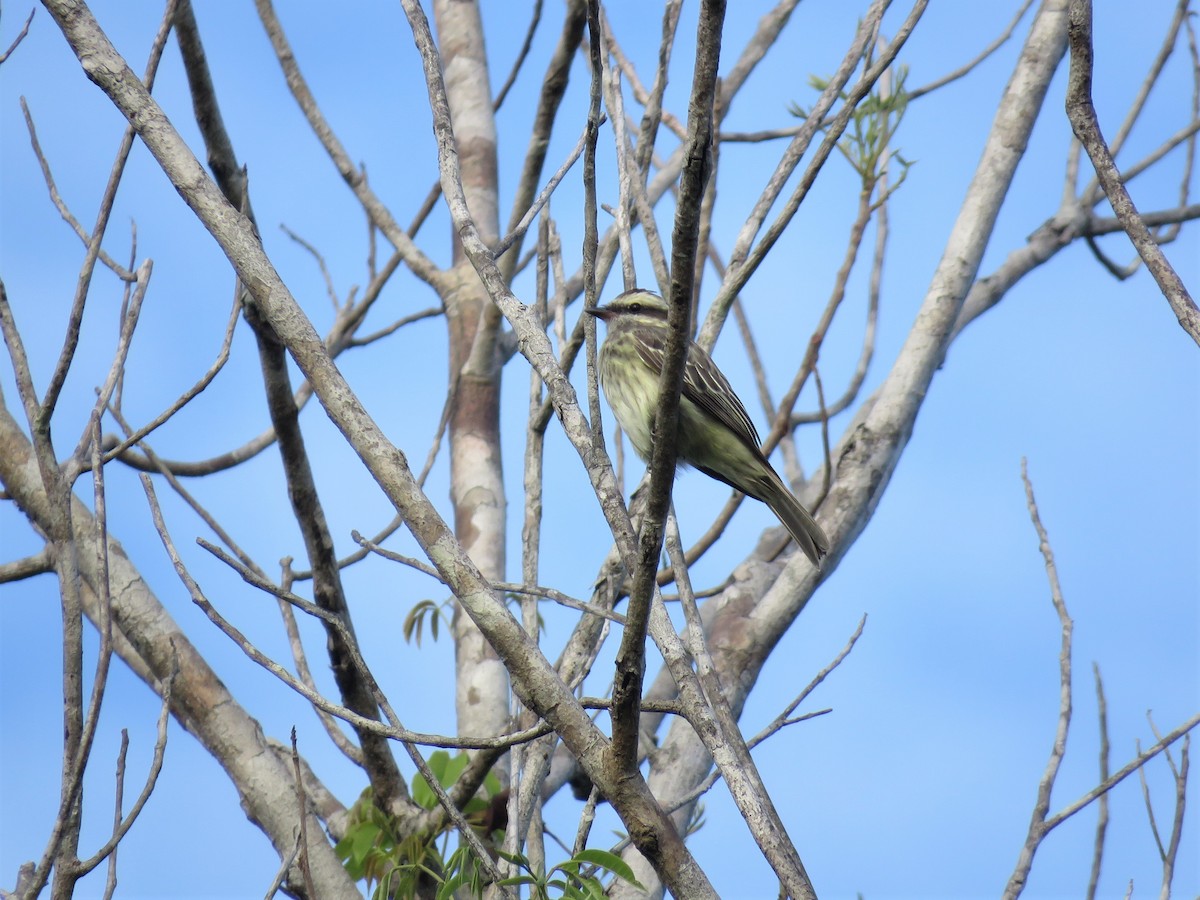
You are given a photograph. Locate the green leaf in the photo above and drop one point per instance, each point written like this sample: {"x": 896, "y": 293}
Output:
{"x": 517, "y": 859}
{"x": 609, "y": 861}
{"x": 452, "y": 769}
{"x": 416, "y": 615}
{"x": 446, "y": 770}
{"x": 446, "y": 891}
{"x": 491, "y": 784}
{"x": 422, "y": 793}
{"x": 363, "y": 840}
{"x": 517, "y": 880}
{"x": 438, "y": 760}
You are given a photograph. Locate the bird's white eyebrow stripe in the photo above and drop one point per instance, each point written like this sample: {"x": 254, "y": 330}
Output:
{"x": 644, "y": 309}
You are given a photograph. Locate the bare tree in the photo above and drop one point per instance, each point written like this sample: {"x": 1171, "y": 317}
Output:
{"x": 535, "y": 705}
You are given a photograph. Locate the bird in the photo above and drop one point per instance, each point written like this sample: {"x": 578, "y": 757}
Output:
{"x": 716, "y": 435}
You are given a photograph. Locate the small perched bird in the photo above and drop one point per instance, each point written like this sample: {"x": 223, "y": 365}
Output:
{"x": 715, "y": 433}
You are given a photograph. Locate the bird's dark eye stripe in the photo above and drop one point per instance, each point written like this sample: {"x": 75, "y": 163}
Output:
{"x": 646, "y": 309}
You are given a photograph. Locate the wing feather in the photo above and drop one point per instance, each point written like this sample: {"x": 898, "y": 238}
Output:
{"x": 703, "y": 384}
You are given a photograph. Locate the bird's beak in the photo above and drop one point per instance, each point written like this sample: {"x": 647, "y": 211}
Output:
{"x": 599, "y": 312}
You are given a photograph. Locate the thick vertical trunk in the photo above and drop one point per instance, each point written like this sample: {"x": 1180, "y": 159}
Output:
{"x": 477, "y": 480}
{"x": 477, "y": 491}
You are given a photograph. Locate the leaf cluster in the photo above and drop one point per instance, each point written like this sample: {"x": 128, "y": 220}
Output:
{"x": 867, "y": 141}
{"x": 396, "y": 865}
{"x": 374, "y": 850}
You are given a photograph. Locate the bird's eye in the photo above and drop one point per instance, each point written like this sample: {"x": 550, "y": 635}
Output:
{"x": 635, "y": 307}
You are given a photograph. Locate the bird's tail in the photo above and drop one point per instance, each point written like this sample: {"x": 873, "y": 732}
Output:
{"x": 809, "y": 536}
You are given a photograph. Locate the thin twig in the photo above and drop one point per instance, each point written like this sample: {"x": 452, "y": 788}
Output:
{"x": 20, "y": 37}
{"x": 117, "y": 269}
{"x": 1121, "y": 774}
{"x": 131, "y": 311}
{"x": 630, "y": 660}
{"x": 118, "y": 451}
{"x": 381, "y": 728}
{"x": 300, "y": 659}
{"x": 747, "y": 255}
{"x": 110, "y": 879}
{"x": 75, "y": 319}
{"x": 1179, "y": 774}
{"x": 868, "y": 342}
{"x": 1084, "y": 122}
{"x": 522, "y": 226}
{"x": 285, "y": 865}
{"x": 302, "y": 812}
{"x": 330, "y": 290}
{"x": 374, "y": 336}
{"x": 156, "y": 763}
{"x": 1102, "y": 806}
{"x": 38, "y": 563}
{"x": 784, "y": 719}
{"x": 625, "y": 176}
{"x": 984, "y": 54}
{"x": 1037, "y": 825}
{"x": 1178, "y": 17}
{"x": 418, "y": 263}
{"x": 554, "y": 86}
{"x": 522, "y": 55}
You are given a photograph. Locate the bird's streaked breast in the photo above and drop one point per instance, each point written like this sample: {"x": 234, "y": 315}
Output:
{"x": 631, "y": 389}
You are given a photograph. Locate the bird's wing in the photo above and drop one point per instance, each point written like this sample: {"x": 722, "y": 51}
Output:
{"x": 703, "y": 384}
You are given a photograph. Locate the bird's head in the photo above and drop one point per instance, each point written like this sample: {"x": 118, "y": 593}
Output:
{"x": 633, "y": 306}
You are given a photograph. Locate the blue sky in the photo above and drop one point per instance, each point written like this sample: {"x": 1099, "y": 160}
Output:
{"x": 921, "y": 781}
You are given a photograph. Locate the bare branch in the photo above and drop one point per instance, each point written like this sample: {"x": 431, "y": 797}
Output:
{"x": 154, "y": 644}
{"x": 381, "y": 216}
{"x": 63, "y": 210}
{"x": 1086, "y": 126}
{"x": 1178, "y": 17}
{"x": 302, "y": 801}
{"x": 75, "y": 320}
{"x": 522, "y": 55}
{"x": 39, "y": 563}
{"x": 745, "y": 258}
{"x": 518, "y": 231}
{"x": 330, "y": 290}
{"x": 285, "y": 864}
{"x": 554, "y": 86}
{"x": 784, "y": 719}
{"x": 1121, "y": 774}
{"x": 1170, "y": 853}
{"x": 20, "y": 37}
{"x": 110, "y": 881}
{"x": 119, "y": 450}
{"x": 131, "y": 311}
{"x": 123, "y": 824}
{"x": 394, "y": 731}
{"x": 652, "y": 99}
{"x": 630, "y": 662}
{"x": 1102, "y": 810}
{"x": 300, "y": 660}
{"x": 374, "y": 336}
{"x": 1037, "y": 825}
{"x": 987, "y": 51}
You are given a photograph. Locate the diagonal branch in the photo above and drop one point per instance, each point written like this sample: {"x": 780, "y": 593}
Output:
{"x": 534, "y": 680}
{"x": 630, "y": 665}
{"x": 1086, "y": 125}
